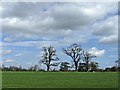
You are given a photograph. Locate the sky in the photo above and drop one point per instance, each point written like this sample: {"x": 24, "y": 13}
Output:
{"x": 28, "y": 26}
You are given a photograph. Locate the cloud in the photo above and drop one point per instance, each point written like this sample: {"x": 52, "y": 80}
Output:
{"x": 18, "y": 55}
{"x": 0, "y": 45}
{"x": 51, "y": 19}
{"x": 8, "y": 39}
{"x": 9, "y": 60}
{"x": 96, "y": 52}
{"x": 110, "y": 39}
{"x": 113, "y": 56}
{"x": 107, "y": 30}
{"x": 115, "y": 49}
{"x": 58, "y": 42}
{"x": 4, "y": 52}
{"x": 1, "y": 63}
{"x": 76, "y": 39}
{"x": 30, "y": 43}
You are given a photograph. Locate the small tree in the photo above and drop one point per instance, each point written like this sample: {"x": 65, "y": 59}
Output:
{"x": 64, "y": 66}
{"x": 31, "y": 68}
{"x": 118, "y": 64}
{"x": 49, "y": 56}
{"x": 82, "y": 67}
{"x": 74, "y": 51}
{"x": 36, "y": 67}
{"x": 94, "y": 66}
{"x": 86, "y": 58}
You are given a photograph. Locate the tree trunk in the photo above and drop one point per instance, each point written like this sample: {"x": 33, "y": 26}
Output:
{"x": 76, "y": 66}
{"x": 87, "y": 67}
{"x": 48, "y": 67}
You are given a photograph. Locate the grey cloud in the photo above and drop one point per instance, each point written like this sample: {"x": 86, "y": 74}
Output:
{"x": 55, "y": 19}
{"x": 109, "y": 40}
{"x": 107, "y": 27}
{"x": 23, "y": 9}
{"x": 107, "y": 30}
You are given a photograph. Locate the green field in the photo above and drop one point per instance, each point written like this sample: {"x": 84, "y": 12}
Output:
{"x": 59, "y": 80}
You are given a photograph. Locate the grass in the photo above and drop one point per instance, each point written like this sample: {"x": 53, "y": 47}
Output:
{"x": 59, "y": 80}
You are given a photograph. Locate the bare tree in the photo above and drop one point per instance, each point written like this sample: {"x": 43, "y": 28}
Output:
{"x": 86, "y": 58}
{"x": 49, "y": 57}
{"x": 74, "y": 51}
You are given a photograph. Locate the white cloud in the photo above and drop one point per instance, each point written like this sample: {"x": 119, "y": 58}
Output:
{"x": 9, "y": 60}
{"x": 96, "y": 52}
{"x": 113, "y": 56}
{"x": 8, "y": 39}
{"x": 31, "y": 43}
{"x": 18, "y": 55}
{"x": 73, "y": 39}
{"x": 25, "y": 44}
{"x": 4, "y": 52}
{"x": 1, "y": 63}
{"x": 0, "y": 45}
{"x": 110, "y": 39}
{"x": 58, "y": 42}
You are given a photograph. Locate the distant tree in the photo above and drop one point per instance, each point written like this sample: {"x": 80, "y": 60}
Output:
{"x": 87, "y": 58}
{"x": 100, "y": 70}
{"x": 74, "y": 51}
{"x": 0, "y": 68}
{"x": 49, "y": 57}
{"x": 31, "y": 68}
{"x": 118, "y": 62}
{"x": 36, "y": 67}
{"x": 64, "y": 66}
{"x": 3, "y": 67}
{"x": 20, "y": 68}
{"x": 82, "y": 67}
{"x": 94, "y": 66}
{"x": 114, "y": 68}
{"x": 107, "y": 69}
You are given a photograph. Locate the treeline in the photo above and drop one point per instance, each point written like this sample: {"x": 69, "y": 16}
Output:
{"x": 81, "y": 61}
{"x": 63, "y": 68}
{"x": 16, "y": 68}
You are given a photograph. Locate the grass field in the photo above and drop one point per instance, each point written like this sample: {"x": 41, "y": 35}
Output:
{"x": 59, "y": 80}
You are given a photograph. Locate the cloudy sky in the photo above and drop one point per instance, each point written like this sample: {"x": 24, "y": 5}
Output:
{"x": 27, "y": 26}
